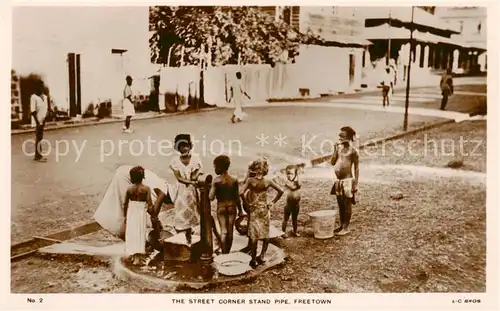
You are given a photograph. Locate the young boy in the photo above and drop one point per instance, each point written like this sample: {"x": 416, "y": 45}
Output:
{"x": 137, "y": 202}
{"x": 225, "y": 189}
{"x": 292, "y": 208}
{"x": 344, "y": 159}
{"x": 260, "y": 214}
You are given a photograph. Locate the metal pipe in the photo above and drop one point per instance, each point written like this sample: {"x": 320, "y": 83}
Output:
{"x": 407, "y": 100}
{"x": 169, "y": 54}
{"x": 388, "y": 57}
{"x": 206, "y": 220}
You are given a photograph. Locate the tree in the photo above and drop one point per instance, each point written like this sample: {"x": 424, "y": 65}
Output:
{"x": 221, "y": 35}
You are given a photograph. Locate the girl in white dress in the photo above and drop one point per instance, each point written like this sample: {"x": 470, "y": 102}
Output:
{"x": 137, "y": 202}
{"x": 238, "y": 92}
{"x": 187, "y": 168}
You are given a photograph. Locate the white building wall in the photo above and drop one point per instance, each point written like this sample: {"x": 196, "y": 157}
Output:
{"x": 43, "y": 36}
{"x": 326, "y": 69}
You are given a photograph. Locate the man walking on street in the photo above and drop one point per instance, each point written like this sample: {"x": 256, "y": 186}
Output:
{"x": 39, "y": 109}
{"x": 446, "y": 85}
{"x": 386, "y": 85}
{"x": 128, "y": 105}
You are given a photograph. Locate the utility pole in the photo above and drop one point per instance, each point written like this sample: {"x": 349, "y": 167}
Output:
{"x": 388, "y": 57}
{"x": 407, "y": 100}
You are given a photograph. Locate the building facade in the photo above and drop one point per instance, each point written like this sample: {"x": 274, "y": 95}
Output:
{"x": 326, "y": 69}
{"x": 43, "y": 39}
{"x": 473, "y": 32}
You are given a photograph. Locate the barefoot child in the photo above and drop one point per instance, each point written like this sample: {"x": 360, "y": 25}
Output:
{"x": 187, "y": 168}
{"x": 258, "y": 224}
{"x": 344, "y": 158}
{"x": 244, "y": 200}
{"x": 137, "y": 202}
{"x": 225, "y": 189}
{"x": 292, "y": 186}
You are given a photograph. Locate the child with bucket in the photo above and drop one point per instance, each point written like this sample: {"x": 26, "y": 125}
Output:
{"x": 345, "y": 157}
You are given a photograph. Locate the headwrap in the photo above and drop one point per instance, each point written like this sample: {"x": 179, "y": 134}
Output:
{"x": 182, "y": 139}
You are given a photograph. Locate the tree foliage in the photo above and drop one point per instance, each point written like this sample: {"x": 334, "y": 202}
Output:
{"x": 220, "y": 35}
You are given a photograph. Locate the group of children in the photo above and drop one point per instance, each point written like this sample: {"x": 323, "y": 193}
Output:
{"x": 251, "y": 198}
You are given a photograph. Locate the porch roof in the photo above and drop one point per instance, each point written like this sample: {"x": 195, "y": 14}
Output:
{"x": 386, "y": 32}
{"x": 338, "y": 40}
{"x": 401, "y": 16}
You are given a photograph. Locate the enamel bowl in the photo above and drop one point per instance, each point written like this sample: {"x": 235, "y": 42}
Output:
{"x": 236, "y": 263}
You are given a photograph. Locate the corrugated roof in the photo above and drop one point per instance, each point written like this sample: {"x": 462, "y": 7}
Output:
{"x": 403, "y": 14}
{"x": 385, "y": 32}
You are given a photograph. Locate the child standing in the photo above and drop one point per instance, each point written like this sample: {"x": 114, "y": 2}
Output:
{"x": 292, "y": 208}
{"x": 225, "y": 189}
{"x": 344, "y": 159}
{"x": 137, "y": 202}
{"x": 258, "y": 224}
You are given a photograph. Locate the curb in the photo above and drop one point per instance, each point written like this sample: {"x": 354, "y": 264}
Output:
{"x": 109, "y": 121}
{"x": 147, "y": 281}
{"x": 372, "y": 142}
{"x": 370, "y": 90}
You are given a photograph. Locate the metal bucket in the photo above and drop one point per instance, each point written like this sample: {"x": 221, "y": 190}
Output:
{"x": 323, "y": 223}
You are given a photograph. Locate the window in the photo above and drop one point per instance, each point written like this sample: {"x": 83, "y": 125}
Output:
{"x": 479, "y": 27}
{"x": 461, "y": 26}
{"x": 287, "y": 15}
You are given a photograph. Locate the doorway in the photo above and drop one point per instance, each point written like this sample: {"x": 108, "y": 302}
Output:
{"x": 351, "y": 68}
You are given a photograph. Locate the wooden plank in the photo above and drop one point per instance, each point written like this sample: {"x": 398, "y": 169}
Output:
{"x": 46, "y": 239}
{"x": 29, "y": 247}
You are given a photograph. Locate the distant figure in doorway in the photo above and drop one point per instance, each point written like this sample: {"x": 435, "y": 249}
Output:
{"x": 39, "y": 110}
{"x": 128, "y": 105}
{"x": 446, "y": 85}
{"x": 238, "y": 92}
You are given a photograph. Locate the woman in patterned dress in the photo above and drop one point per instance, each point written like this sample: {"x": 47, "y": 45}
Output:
{"x": 260, "y": 214}
{"x": 187, "y": 168}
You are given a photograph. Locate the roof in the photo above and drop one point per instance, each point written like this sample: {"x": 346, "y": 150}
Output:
{"x": 479, "y": 45}
{"x": 334, "y": 40}
{"x": 385, "y": 32}
{"x": 403, "y": 14}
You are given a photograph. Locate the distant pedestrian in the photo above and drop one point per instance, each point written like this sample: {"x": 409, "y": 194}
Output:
{"x": 128, "y": 105}
{"x": 39, "y": 110}
{"x": 386, "y": 86}
{"x": 238, "y": 92}
{"x": 394, "y": 72}
{"x": 446, "y": 85}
